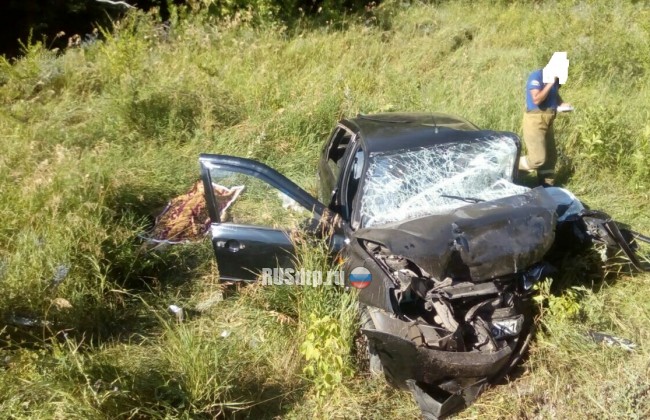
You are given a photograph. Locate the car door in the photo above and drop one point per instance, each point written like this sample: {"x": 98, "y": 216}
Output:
{"x": 253, "y": 210}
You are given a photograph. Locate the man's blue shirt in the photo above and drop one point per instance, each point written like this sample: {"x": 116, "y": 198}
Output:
{"x": 535, "y": 82}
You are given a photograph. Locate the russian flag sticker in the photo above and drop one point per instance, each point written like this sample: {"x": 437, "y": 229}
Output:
{"x": 360, "y": 277}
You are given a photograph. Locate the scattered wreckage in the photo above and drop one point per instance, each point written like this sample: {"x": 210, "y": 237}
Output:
{"x": 451, "y": 247}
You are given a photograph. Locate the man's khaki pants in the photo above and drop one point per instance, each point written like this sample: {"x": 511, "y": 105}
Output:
{"x": 540, "y": 145}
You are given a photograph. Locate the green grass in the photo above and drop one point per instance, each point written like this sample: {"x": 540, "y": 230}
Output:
{"x": 95, "y": 141}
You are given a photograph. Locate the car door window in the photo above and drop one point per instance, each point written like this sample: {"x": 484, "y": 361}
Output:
{"x": 246, "y": 200}
{"x": 354, "y": 178}
{"x": 340, "y": 141}
{"x": 355, "y": 175}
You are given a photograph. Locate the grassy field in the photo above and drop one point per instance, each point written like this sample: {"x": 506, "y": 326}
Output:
{"x": 95, "y": 141}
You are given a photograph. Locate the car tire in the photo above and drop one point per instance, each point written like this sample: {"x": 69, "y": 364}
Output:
{"x": 368, "y": 351}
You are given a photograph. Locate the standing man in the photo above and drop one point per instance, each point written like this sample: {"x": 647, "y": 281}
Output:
{"x": 542, "y": 101}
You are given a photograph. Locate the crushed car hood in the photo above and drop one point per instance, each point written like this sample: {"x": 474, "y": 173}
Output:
{"x": 481, "y": 241}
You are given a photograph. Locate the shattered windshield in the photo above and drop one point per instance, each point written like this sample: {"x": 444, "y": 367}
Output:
{"x": 406, "y": 184}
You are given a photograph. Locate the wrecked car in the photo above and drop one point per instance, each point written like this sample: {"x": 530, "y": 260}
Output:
{"x": 427, "y": 209}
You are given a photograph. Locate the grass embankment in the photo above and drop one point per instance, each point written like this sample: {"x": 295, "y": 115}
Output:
{"x": 96, "y": 140}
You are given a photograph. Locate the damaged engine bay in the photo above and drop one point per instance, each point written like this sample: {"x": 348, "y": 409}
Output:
{"x": 459, "y": 314}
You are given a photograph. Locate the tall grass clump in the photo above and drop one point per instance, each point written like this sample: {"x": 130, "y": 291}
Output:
{"x": 330, "y": 317}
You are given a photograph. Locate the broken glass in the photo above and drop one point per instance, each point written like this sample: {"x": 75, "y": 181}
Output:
{"x": 407, "y": 184}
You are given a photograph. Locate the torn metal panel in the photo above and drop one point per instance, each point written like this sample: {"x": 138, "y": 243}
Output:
{"x": 611, "y": 340}
{"x": 428, "y": 365}
{"x": 437, "y": 403}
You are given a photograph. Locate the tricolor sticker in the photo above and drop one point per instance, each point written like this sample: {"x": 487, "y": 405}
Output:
{"x": 360, "y": 277}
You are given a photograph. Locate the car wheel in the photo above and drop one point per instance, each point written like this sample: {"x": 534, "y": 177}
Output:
{"x": 367, "y": 352}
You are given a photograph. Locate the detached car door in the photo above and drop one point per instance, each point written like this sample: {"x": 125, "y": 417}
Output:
{"x": 253, "y": 210}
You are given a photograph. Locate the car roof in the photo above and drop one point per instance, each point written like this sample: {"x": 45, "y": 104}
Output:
{"x": 395, "y": 131}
